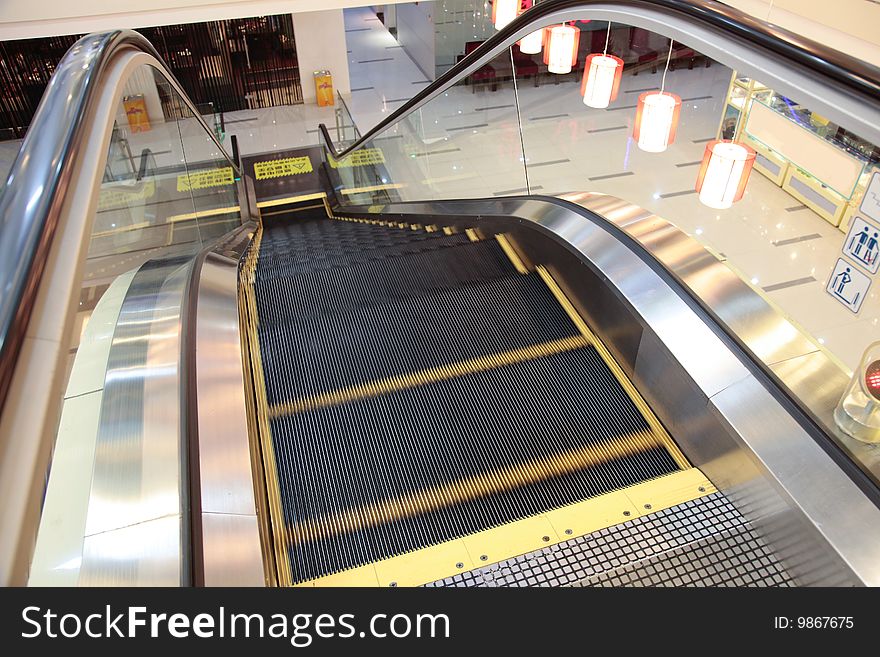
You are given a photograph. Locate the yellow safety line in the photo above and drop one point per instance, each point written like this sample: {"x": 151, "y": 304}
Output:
{"x": 291, "y": 199}
{"x": 373, "y": 188}
{"x": 472, "y": 235}
{"x": 482, "y": 485}
{"x": 273, "y": 488}
{"x": 612, "y": 364}
{"x": 490, "y": 546}
{"x": 202, "y": 213}
{"x": 512, "y": 254}
{"x": 426, "y": 377}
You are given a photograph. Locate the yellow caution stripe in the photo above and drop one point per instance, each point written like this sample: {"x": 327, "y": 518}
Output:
{"x": 523, "y": 536}
{"x": 425, "y": 377}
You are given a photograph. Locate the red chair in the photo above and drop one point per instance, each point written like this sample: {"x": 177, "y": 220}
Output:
{"x": 644, "y": 53}
{"x": 524, "y": 65}
{"x": 483, "y": 75}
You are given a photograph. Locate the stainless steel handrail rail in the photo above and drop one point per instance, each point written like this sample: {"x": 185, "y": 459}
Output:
{"x": 31, "y": 201}
{"x": 853, "y": 75}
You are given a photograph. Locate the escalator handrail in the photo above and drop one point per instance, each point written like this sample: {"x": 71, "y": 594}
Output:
{"x": 32, "y": 199}
{"x": 833, "y": 66}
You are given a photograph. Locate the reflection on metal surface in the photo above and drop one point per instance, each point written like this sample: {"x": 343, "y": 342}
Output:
{"x": 138, "y": 478}
{"x": 230, "y": 545}
{"x": 701, "y": 385}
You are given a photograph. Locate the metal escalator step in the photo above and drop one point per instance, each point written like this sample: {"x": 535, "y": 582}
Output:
{"x": 385, "y": 475}
{"x": 338, "y": 350}
{"x": 279, "y": 260}
{"x": 323, "y": 291}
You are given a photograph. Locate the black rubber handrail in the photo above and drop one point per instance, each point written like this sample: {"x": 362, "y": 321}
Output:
{"x": 838, "y": 68}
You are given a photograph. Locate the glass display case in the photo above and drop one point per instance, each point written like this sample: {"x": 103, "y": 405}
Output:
{"x": 818, "y": 162}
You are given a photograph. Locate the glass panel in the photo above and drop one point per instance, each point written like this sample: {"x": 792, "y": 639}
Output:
{"x": 463, "y": 144}
{"x": 146, "y": 209}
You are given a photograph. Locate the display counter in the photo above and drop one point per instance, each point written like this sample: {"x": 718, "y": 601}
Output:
{"x": 817, "y": 162}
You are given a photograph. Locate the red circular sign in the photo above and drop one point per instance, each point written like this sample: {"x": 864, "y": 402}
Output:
{"x": 872, "y": 378}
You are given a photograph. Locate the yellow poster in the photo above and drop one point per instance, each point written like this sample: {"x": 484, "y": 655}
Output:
{"x": 289, "y": 166}
{"x": 324, "y": 88}
{"x": 136, "y": 113}
{"x": 359, "y": 158}
{"x": 205, "y": 179}
{"x": 116, "y": 198}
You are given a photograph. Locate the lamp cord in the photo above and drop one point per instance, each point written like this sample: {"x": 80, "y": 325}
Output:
{"x": 665, "y": 70}
{"x": 607, "y": 36}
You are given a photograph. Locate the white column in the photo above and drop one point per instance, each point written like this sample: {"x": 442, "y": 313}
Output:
{"x": 320, "y": 46}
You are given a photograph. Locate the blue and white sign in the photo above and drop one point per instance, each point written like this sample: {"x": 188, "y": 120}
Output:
{"x": 848, "y": 285}
{"x": 862, "y": 244}
{"x": 870, "y": 205}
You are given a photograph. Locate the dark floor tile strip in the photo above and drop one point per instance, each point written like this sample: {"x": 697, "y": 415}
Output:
{"x": 683, "y": 193}
{"x": 358, "y": 29}
{"x": 612, "y": 175}
{"x": 792, "y": 283}
{"x": 494, "y": 107}
{"x": 446, "y": 150}
{"x": 549, "y": 116}
{"x": 684, "y": 100}
{"x": 795, "y": 208}
{"x": 689, "y": 164}
{"x": 795, "y": 240}
{"x": 362, "y": 89}
{"x": 468, "y": 127}
{"x": 622, "y": 107}
{"x": 506, "y": 192}
{"x": 703, "y": 141}
{"x": 545, "y": 164}
{"x": 616, "y": 127}
{"x": 381, "y": 59}
{"x": 636, "y": 91}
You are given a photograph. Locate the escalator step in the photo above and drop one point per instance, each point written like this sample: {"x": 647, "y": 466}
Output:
{"x": 331, "y": 290}
{"x": 406, "y": 335}
{"x": 382, "y": 476}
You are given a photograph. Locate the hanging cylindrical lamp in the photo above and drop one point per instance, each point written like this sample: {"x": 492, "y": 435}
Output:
{"x": 602, "y": 75}
{"x": 531, "y": 44}
{"x": 504, "y": 11}
{"x": 601, "y": 80}
{"x": 656, "y": 120}
{"x": 724, "y": 173}
{"x": 561, "y": 48}
{"x": 657, "y": 116}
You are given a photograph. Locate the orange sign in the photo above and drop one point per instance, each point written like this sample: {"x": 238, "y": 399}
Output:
{"x": 324, "y": 88}
{"x": 136, "y": 112}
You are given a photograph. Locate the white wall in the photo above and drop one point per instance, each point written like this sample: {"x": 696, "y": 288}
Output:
{"x": 320, "y": 45}
{"x": 25, "y": 19}
{"x": 415, "y": 32}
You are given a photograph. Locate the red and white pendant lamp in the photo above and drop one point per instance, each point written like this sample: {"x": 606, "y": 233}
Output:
{"x": 561, "y": 48}
{"x": 657, "y": 116}
{"x": 726, "y": 165}
{"x": 504, "y": 11}
{"x": 724, "y": 173}
{"x": 602, "y": 74}
{"x": 531, "y": 44}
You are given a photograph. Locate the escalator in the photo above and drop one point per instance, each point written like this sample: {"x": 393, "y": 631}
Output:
{"x": 416, "y": 386}
{"x": 323, "y": 372}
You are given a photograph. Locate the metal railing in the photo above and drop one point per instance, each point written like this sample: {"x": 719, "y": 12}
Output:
{"x": 31, "y": 201}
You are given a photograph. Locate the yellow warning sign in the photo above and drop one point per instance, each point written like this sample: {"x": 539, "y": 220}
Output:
{"x": 117, "y": 198}
{"x": 204, "y": 179}
{"x": 360, "y": 159}
{"x": 289, "y": 166}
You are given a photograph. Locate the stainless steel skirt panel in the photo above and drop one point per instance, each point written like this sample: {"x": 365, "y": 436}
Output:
{"x": 136, "y": 528}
